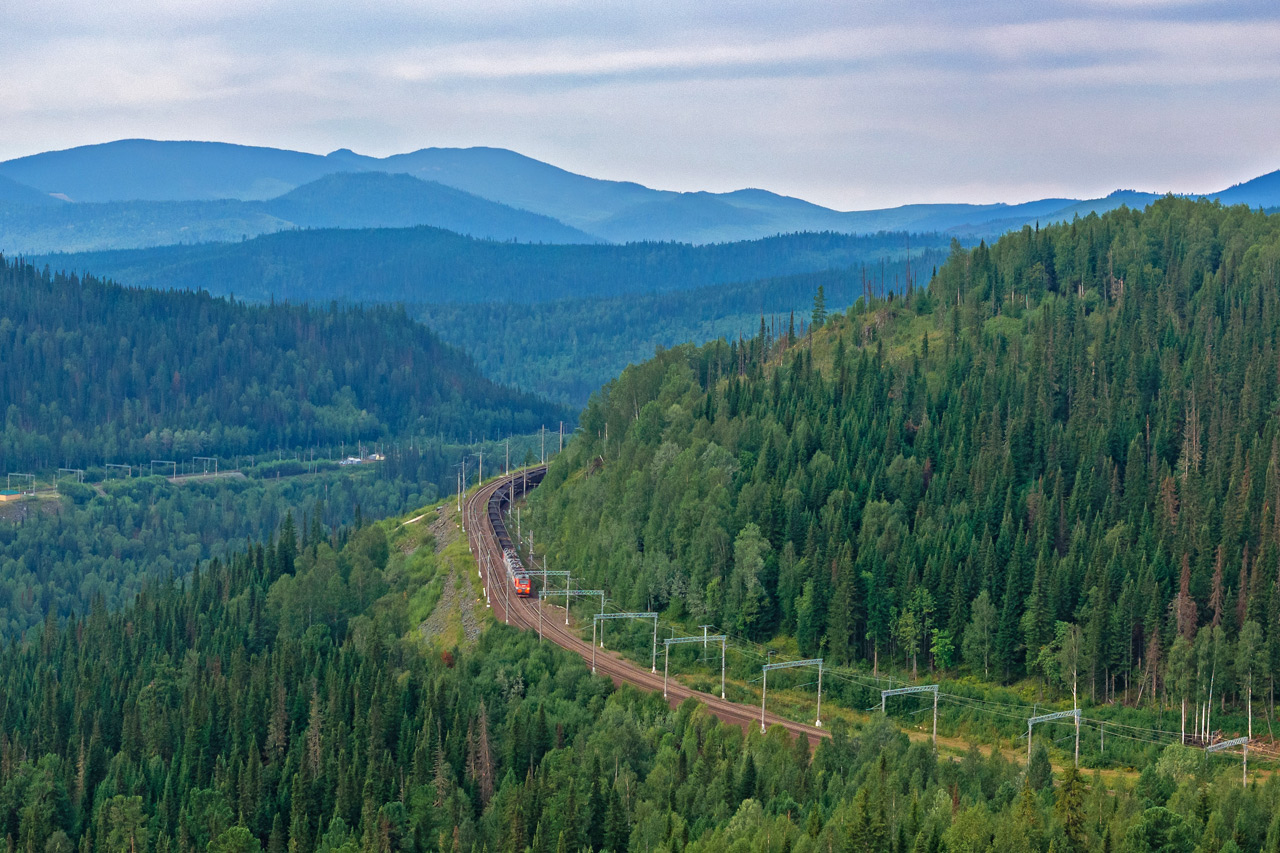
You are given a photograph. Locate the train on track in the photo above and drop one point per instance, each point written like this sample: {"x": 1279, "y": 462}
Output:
{"x": 499, "y": 504}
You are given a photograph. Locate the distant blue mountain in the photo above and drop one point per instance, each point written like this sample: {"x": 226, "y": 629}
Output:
{"x": 14, "y": 192}
{"x": 381, "y": 200}
{"x": 584, "y": 208}
{"x": 342, "y": 200}
{"x": 422, "y": 265}
{"x": 144, "y": 169}
{"x": 1263, "y": 191}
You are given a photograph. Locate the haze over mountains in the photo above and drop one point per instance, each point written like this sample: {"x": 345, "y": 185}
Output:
{"x": 137, "y": 193}
{"x": 427, "y": 265}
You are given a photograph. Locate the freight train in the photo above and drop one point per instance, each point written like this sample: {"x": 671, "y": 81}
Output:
{"x": 499, "y": 503}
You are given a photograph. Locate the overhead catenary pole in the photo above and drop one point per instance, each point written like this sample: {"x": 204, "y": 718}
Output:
{"x": 764, "y": 695}
{"x": 653, "y": 665}
{"x": 569, "y": 592}
{"x": 724, "y": 645}
{"x": 789, "y": 665}
{"x": 818, "y": 720}
{"x": 542, "y": 593}
{"x": 486, "y": 580}
{"x": 668, "y": 643}
{"x": 1044, "y": 718}
{"x": 921, "y": 688}
{"x": 654, "y": 616}
{"x": 1227, "y": 744}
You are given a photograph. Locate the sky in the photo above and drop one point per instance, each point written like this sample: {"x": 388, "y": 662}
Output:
{"x": 853, "y": 105}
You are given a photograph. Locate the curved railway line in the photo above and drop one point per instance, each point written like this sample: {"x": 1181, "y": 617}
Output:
{"x": 524, "y": 613}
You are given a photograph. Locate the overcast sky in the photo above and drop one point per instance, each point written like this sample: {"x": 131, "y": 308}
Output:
{"x": 853, "y": 104}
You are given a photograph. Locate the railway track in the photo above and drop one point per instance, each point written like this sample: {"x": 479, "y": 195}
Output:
{"x": 524, "y": 613}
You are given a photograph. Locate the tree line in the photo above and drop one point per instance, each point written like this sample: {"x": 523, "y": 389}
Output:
{"x": 280, "y": 700}
{"x": 428, "y": 265}
{"x": 96, "y": 372}
{"x": 106, "y": 544}
{"x": 567, "y": 349}
{"x": 1060, "y": 460}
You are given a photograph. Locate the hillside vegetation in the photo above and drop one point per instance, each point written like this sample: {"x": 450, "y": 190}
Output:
{"x": 94, "y": 372}
{"x": 424, "y": 264}
{"x": 1061, "y": 460}
{"x": 566, "y": 350}
{"x": 282, "y": 701}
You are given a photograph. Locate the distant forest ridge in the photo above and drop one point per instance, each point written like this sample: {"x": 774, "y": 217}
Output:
{"x": 124, "y": 194}
{"x": 424, "y": 265}
{"x": 568, "y": 349}
{"x": 93, "y": 370}
{"x": 364, "y": 200}
{"x": 1060, "y": 461}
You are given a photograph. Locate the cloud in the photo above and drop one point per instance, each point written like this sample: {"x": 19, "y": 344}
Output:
{"x": 858, "y": 104}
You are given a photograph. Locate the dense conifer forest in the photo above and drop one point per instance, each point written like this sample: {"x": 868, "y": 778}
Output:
{"x": 1060, "y": 461}
{"x": 425, "y": 265}
{"x": 96, "y": 373}
{"x": 567, "y": 349}
{"x": 282, "y": 700}
{"x": 60, "y": 554}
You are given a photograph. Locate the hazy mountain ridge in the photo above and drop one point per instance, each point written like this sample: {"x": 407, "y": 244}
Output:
{"x": 424, "y": 264}
{"x": 586, "y": 209}
{"x": 12, "y": 191}
{"x": 338, "y": 200}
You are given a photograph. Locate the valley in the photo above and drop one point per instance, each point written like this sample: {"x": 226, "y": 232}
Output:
{"x": 727, "y": 427}
{"x": 996, "y": 475}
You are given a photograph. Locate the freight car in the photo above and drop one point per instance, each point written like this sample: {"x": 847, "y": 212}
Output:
{"x": 499, "y": 504}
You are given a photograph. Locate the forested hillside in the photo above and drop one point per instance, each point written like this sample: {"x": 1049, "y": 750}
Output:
{"x": 430, "y": 265}
{"x": 94, "y": 372}
{"x": 1061, "y": 461}
{"x": 282, "y": 701}
{"x": 59, "y": 555}
{"x": 569, "y": 348}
